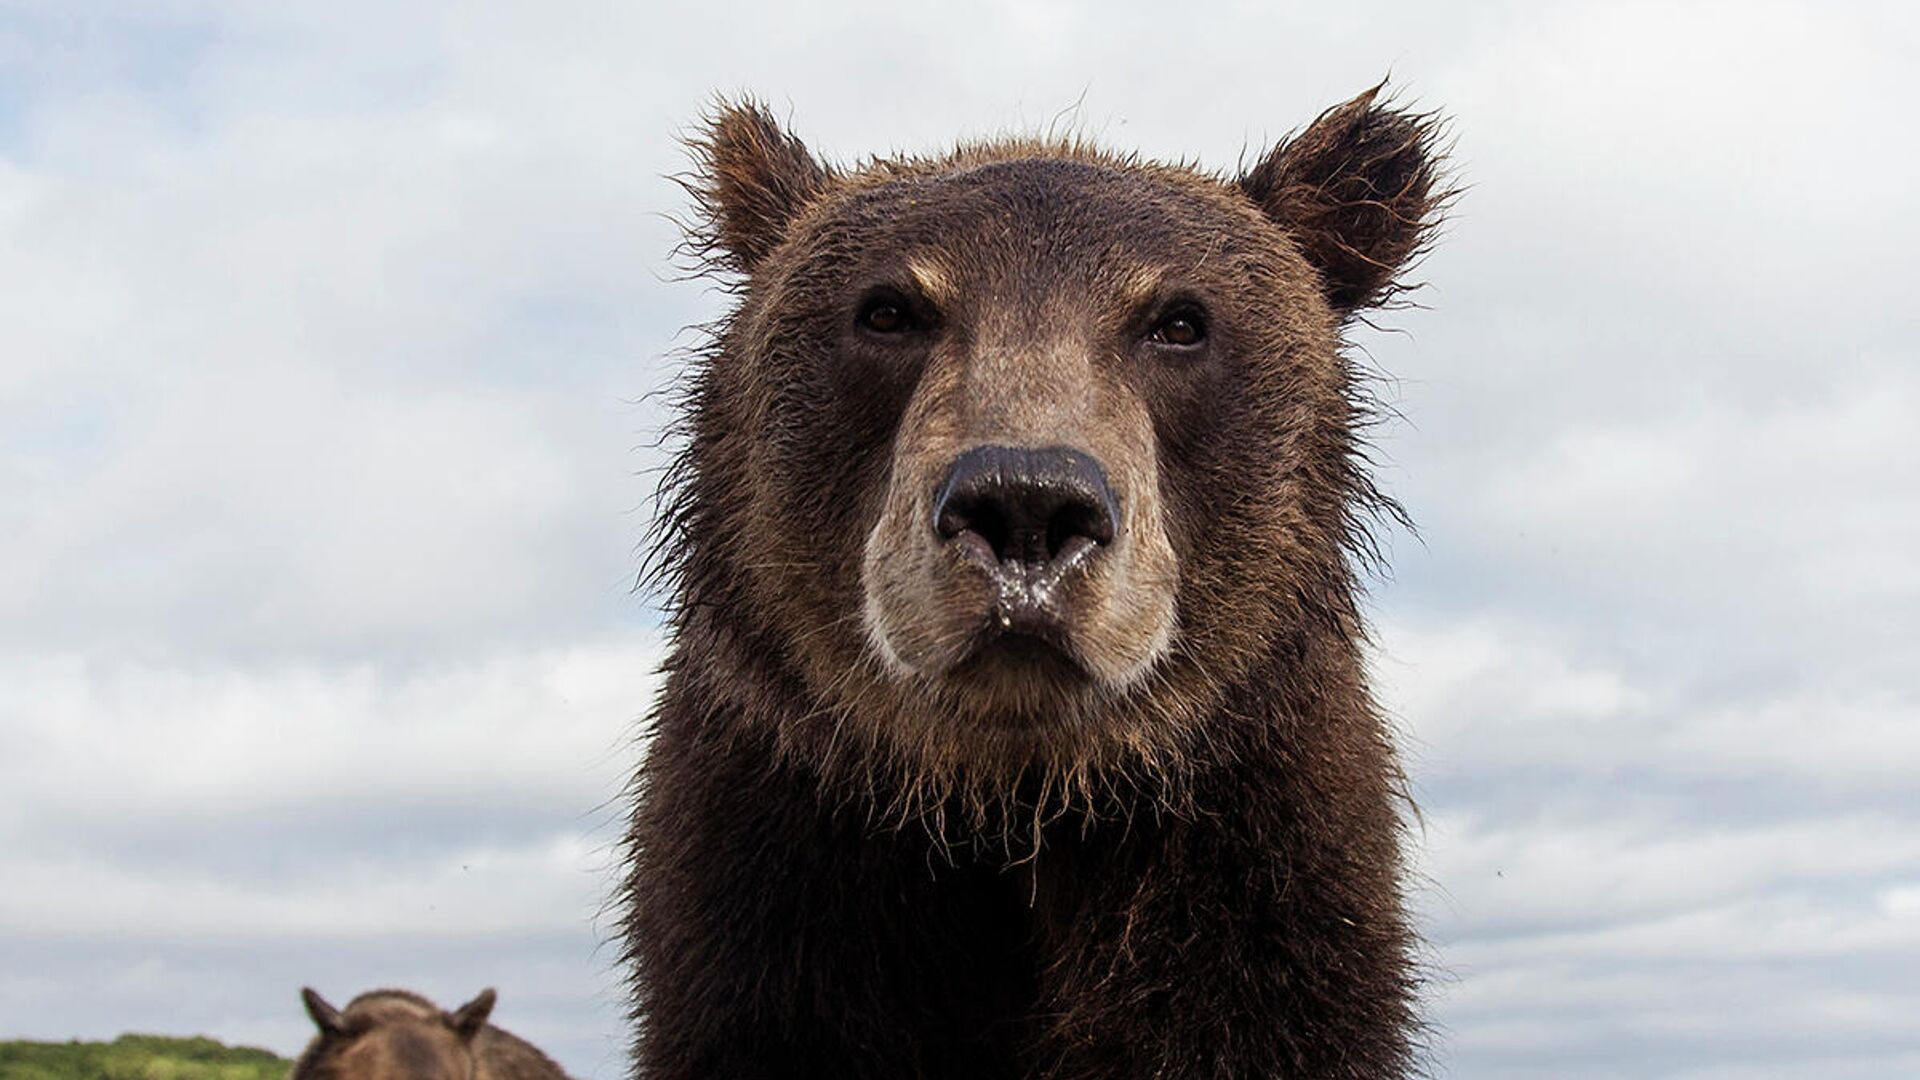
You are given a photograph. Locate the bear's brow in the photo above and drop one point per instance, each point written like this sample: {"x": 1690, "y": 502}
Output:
{"x": 931, "y": 275}
{"x": 1141, "y": 286}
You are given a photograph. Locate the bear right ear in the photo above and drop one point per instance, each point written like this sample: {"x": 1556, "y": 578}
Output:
{"x": 751, "y": 180}
{"x": 325, "y": 1016}
{"x": 468, "y": 1019}
{"x": 1361, "y": 190}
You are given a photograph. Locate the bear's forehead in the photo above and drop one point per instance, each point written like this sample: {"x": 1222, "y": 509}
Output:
{"x": 1034, "y": 208}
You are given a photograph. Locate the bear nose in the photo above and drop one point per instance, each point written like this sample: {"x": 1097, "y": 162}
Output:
{"x": 1031, "y": 508}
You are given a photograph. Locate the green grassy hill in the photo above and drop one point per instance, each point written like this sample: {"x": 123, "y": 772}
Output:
{"x": 138, "y": 1057}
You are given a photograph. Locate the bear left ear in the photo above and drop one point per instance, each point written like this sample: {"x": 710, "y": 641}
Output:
{"x": 751, "y": 180}
{"x": 1360, "y": 190}
{"x": 324, "y": 1015}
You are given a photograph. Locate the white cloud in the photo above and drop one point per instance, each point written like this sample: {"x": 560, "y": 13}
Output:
{"x": 1545, "y": 873}
{"x": 1806, "y": 491}
{"x": 472, "y": 892}
{"x": 319, "y": 381}
{"x": 1630, "y": 871}
{"x": 546, "y": 730}
{"x": 1481, "y": 697}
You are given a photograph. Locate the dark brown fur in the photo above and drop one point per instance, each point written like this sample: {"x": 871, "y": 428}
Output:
{"x": 399, "y": 1035}
{"x": 866, "y": 843}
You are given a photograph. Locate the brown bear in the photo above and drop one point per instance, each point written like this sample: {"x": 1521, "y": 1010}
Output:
{"x": 1015, "y": 721}
{"x": 399, "y": 1035}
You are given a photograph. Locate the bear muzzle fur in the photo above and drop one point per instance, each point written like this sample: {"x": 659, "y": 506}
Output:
{"x": 1020, "y": 559}
{"x": 1027, "y": 518}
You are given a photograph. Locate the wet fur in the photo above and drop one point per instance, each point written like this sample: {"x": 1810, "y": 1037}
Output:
{"x": 847, "y": 866}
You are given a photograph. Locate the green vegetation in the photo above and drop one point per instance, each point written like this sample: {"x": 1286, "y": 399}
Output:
{"x": 139, "y": 1057}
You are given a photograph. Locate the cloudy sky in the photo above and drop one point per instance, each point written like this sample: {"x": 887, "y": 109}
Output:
{"x": 325, "y": 436}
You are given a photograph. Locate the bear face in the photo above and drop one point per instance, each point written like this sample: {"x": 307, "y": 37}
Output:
{"x": 1020, "y": 456}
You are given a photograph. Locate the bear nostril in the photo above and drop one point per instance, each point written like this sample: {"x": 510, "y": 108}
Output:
{"x": 979, "y": 514}
{"x": 1077, "y": 519}
{"x": 1028, "y": 507}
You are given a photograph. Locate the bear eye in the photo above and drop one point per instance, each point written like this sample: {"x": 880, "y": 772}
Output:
{"x": 885, "y": 315}
{"x": 1182, "y": 328}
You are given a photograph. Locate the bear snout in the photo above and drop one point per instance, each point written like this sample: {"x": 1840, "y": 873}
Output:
{"x": 1026, "y": 514}
{"x": 1026, "y": 518}
{"x": 988, "y": 553}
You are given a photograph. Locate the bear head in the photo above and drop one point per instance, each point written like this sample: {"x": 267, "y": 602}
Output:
{"x": 1009, "y": 463}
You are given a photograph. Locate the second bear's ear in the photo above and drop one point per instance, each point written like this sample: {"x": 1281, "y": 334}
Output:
{"x": 1360, "y": 190}
{"x": 468, "y": 1019}
{"x": 324, "y": 1015}
{"x": 751, "y": 179}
